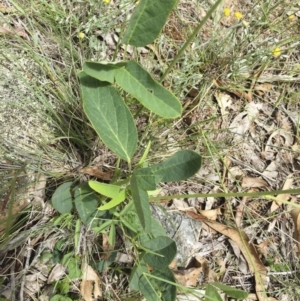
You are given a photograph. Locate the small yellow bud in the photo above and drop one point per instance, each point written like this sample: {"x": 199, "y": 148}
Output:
{"x": 106, "y": 1}
{"x": 238, "y": 15}
{"x": 276, "y": 52}
{"x": 246, "y": 24}
{"x": 226, "y": 11}
{"x": 81, "y": 35}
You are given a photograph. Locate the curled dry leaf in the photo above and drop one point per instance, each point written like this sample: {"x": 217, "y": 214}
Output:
{"x": 90, "y": 284}
{"x": 241, "y": 123}
{"x": 57, "y": 273}
{"x": 97, "y": 173}
{"x": 224, "y": 102}
{"x": 211, "y": 214}
{"x": 284, "y": 197}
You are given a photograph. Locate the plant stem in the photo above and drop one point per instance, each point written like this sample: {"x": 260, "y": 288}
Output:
{"x": 230, "y": 194}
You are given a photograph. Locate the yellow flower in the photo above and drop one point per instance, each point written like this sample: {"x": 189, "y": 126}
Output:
{"x": 106, "y": 1}
{"x": 291, "y": 17}
{"x": 226, "y": 11}
{"x": 276, "y": 52}
{"x": 81, "y": 35}
{"x": 246, "y": 24}
{"x": 238, "y": 15}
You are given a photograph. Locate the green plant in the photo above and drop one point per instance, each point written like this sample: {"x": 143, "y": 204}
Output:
{"x": 125, "y": 203}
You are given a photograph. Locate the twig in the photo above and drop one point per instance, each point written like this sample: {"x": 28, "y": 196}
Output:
{"x": 29, "y": 250}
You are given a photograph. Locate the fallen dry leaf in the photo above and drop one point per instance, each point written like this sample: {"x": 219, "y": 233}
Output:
{"x": 211, "y": 214}
{"x": 224, "y": 102}
{"x": 106, "y": 247}
{"x": 284, "y": 197}
{"x": 240, "y": 210}
{"x": 249, "y": 182}
{"x": 248, "y": 250}
{"x": 261, "y": 89}
{"x": 262, "y": 248}
{"x": 16, "y": 29}
{"x": 188, "y": 277}
{"x": 57, "y": 273}
{"x": 90, "y": 284}
{"x": 97, "y": 173}
{"x": 295, "y": 213}
{"x": 241, "y": 123}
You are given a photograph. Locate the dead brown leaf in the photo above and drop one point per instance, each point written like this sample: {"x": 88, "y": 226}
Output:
{"x": 261, "y": 89}
{"x": 249, "y": 182}
{"x": 248, "y": 250}
{"x": 57, "y": 273}
{"x": 106, "y": 247}
{"x": 188, "y": 277}
{"x": 87, "y": 289}
{"x": 97, "y": 173}
{"x": 211, "y": 214}
{"x": 295, "y": 213}
{"x": 240, "y": 211}
{"x": 17, "y": 29}
{"x": 284, "y": 197}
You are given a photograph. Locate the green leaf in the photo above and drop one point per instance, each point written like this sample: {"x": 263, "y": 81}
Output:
{"x": 146, "y": 180}
{"x": 86, "y": 204}
{"x": 66, "y": 258}
{"x": 164, "y": 248}
{"x": 231, "y": 291}
{"x": 103, "y": 226}
{"x": 141, "y": 204}
{"x": 103, "y": 71}
{"x": 114, "y": 202}
{"x": 74, "y": 271}
{"x": 180, "y": 166}
{"x": 60, "y": 298}
{"x": 149, "y": 289}
{"x": 145, "y": 154}
{"x": 156, "y": 230}
{"x": 112, "y": 235}
{"x": 63, "y": 286}
{"x": 135, "y": 275}
{"x": 158, "y": 290}
{"x": 168, "y": 290}
{"x": 211, "y": 294}
{"x": 62, "y": 198}
{"x": 147, "y": 21}
{"x": 108, "y": 190}
{"x": 109, "y": 116}
{"x": 138, "y": 82}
